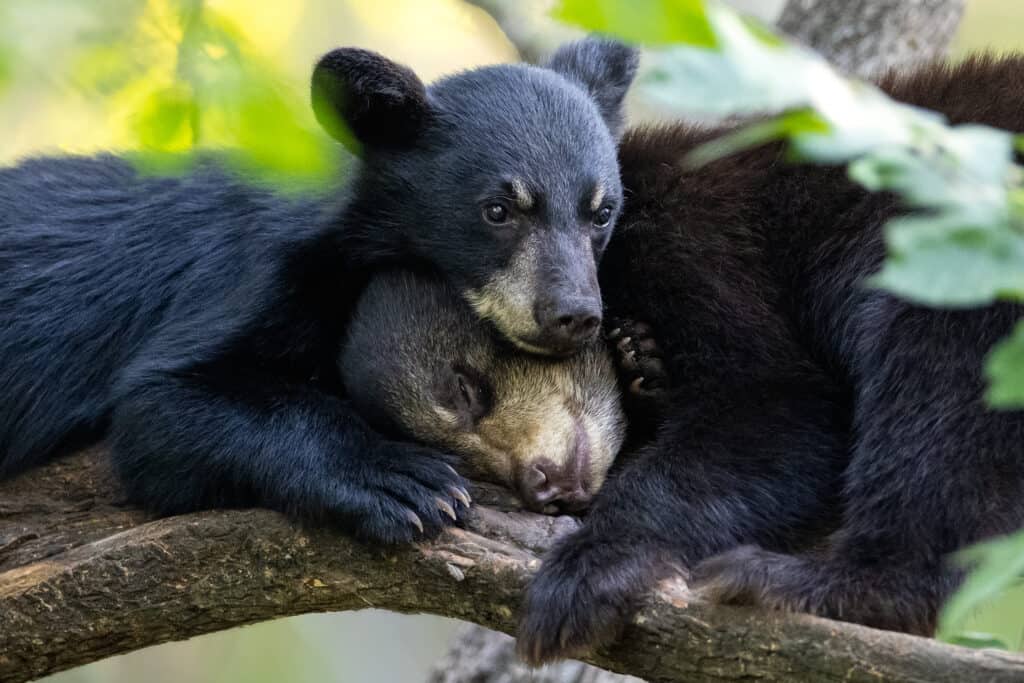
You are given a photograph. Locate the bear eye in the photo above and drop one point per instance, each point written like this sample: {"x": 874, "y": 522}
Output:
{"x": 465, "y": 393}
{"x": 496, "y": 213}
{"x": 603, "y": 217}
{"x": 469, "y": 396}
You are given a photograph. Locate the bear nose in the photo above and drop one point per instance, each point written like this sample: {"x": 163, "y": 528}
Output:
{"x": 547, "y": 486}
{"x": 567, "y": 324}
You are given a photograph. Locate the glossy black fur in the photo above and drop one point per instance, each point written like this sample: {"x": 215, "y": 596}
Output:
{"x": 196, "y": 320}
{"x": 829, "y": 439}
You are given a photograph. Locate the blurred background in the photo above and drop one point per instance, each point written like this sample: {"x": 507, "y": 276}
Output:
{"x": 47, "y": 105}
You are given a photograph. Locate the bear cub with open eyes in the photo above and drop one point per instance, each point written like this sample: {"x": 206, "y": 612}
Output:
{"x": 819, "y": 445}
{"x": 195, "y": 321}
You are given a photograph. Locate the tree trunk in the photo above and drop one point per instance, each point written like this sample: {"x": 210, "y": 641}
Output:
{"x": 866, "y": 37}
{"x": 84, "y": 576}
{"x": 861, "y": 37}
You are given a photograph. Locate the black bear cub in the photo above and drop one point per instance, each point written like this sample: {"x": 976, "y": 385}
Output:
{"x": 821, "y": 446}
{"x": 196, "y": 320}
{"x": 548, "y": 428}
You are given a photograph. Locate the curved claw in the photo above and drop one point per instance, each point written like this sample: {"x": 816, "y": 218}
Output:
{"x": 445, "y": 507}
{"x": 414, "y": 519}
{"x": 460, "y": 494}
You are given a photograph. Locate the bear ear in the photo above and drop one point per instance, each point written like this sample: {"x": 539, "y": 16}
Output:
{"x": 364, "y": 100}
{"x": 605, "y": 69}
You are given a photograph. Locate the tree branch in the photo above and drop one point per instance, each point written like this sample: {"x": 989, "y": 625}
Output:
{"x": 83, "y": 577}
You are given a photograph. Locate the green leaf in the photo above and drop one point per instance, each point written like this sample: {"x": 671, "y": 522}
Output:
{"x": 168, "y": 120}
{"x": 647, "y": 22}
{"x": 978, "y": 640}
{"x": 762, "y": 32}
{"x": 6, "y": 68}
{"x": 1004, "y": 370}
{"x": 948, "y": 260}
{"x": 792, "y": 123}
{"x": 270, "y": 132}
{"x": 995, "y": 566}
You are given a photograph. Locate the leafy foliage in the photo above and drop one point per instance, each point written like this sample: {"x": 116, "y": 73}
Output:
{"x": 657, "y": 22}
{"x": 186, "y": 75}
{"x": 961, "y": 245}
{"x": 995, "y": 565}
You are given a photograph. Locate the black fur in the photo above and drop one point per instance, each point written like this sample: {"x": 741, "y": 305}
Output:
{"x": 829, "y": 438}
{"x": 197, "y": 319}
{"x": 605, "y": 70}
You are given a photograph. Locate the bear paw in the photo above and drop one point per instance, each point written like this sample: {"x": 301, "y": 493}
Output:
{"x": 638, "y": 358}
{"x": 581, "y": 597}
{"x": 402, "y": 493}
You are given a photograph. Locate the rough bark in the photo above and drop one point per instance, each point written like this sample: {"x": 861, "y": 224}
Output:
{"x": 83, "y": 577}
{"x": 865, "y": 37}
{"x": 479, "y": 655}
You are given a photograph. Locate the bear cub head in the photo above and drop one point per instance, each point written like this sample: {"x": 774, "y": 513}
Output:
{"x": 548, "y": 428}
{"x": 504, "y": 179}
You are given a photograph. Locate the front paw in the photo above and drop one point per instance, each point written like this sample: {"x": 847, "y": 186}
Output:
{"x": 581, "y": 597}
{"x": 402, "y": 492}
{"x": 638, "y": 359}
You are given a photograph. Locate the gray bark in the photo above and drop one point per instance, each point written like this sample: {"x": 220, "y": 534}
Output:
{"x": 861, "y": 37}
{"x": 84, "y": 576}
{"x": 866, "y": 37}
{"x": 479, "y": 655}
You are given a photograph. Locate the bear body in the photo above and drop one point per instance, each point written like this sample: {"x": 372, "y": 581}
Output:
{"x": 820, "y": 445}
{"x": 196, "y": 320}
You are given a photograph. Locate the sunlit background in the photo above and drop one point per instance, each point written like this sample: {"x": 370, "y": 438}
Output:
{"x": 46, "y": 106}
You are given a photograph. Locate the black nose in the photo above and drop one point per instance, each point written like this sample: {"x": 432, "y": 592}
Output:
{"x": 568, "y": 323}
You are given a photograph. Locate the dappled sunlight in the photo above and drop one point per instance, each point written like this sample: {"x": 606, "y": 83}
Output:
{"x": 77, "y": 86}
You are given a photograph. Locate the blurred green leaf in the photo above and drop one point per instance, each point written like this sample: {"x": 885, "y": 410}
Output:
{"x": 1004, "y": 369}
{"x": 762, "y": 32}
{"x": 978, "y": 640}
{"x": 6, "y": 68}
{"x": 106, "y": 68}
{"x": 795, "y": 122}
{"x": 168, "y": 120}
{"x": 182, "y": 78}
{"x": 948, "y": 260}
{"x": 647, "y": 22}
{"x": 995, "y": 566}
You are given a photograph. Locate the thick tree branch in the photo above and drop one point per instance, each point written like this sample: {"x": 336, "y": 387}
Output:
{"x": 83, "y": 577}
